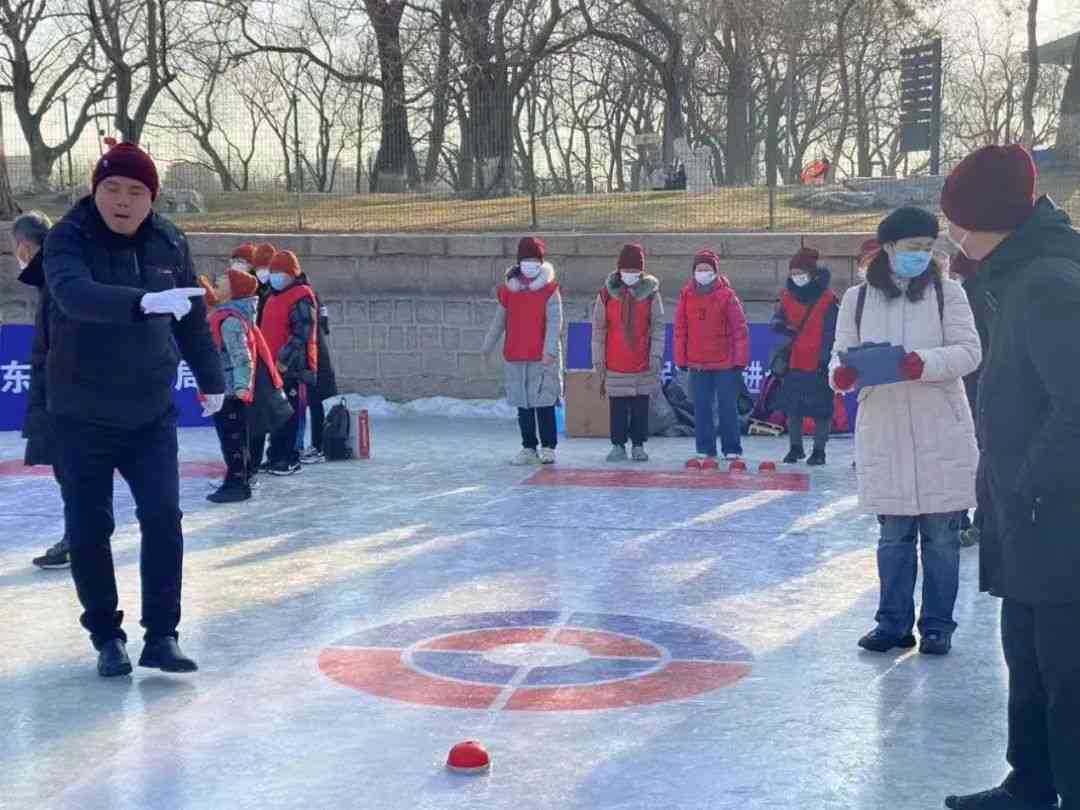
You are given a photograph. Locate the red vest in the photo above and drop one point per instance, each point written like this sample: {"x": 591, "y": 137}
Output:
{"x": 275, "y": 322}
{"x": 256, "y": 346}
{"x": 526, "y": 322}
{"x": 622, "y": 356}
{"x": 806, "y": 353}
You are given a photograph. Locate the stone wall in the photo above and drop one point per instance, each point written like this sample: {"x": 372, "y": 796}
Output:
{"x": 409, "y": 313}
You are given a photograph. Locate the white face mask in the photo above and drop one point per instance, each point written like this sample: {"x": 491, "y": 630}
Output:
{"x": 704, "y": 277}
{"x": 800, "y": 279}
{"x": 239, "y": 264}
{"x": 629, "y": 277}
{"x": 263, "y": 275}
{"x": 531, "y": 268}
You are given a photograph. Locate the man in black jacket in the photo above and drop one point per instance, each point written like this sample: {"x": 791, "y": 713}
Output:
{"x": 1029, "y": 477}
{"x": 124, "y": 299}
{"x": 27, "y": 239}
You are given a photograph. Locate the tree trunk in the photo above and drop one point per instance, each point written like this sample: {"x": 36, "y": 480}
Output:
{"x": 737, "y": 135}
{"x": 8, "y": 208}
{"x": 1067, "y": 148}
{"x": 845, "y": 88}
{"x": 674, "y": 118}
{"x": 440, "y": 106}
{"x": 1027, "y": 137}
{"x": 396, "y": 156}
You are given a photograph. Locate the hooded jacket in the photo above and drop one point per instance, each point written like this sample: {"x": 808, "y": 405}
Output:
{"x": 711, "y": 333}
{"x": 1029, "y": 412}
{"x": 648, "y": 324}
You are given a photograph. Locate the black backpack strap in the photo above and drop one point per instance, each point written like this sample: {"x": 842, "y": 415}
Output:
{"x": 939, "y": 288}
{"x": 860, "y": 305}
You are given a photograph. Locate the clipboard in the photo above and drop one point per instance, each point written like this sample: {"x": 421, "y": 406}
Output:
{"x": 876, "y": 363}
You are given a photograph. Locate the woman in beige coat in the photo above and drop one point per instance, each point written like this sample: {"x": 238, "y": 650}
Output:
{"x": 915, "y": 439}
{"x": 628, "y": 348}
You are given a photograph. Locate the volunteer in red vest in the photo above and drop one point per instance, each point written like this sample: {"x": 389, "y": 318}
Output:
{"x": 260, "y": 268}
{"x": 252, "y": 383}
{"x": 289, "y": 323}
{"x": 807, "y": 317}
{"x": 628, "y": 348}
{"x": 712, "y": 340}
{"x": 530, "y": 314}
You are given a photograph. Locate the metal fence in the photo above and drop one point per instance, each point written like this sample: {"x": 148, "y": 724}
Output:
{"x": 283, "y": 198}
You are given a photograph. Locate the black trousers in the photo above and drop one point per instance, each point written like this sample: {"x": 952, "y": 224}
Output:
{"x": 527, "y": 421}
{"x": 1044, "y": 701}
{"x": 318, "y": 422}
{"x": 232, "y": 429}
{"x": 256, "y": 451}
{"x": 822, "y": 429}
{"x": 629, "y": 418}
{"x": 287, "y": 440}
{"x": 147, "y": 459}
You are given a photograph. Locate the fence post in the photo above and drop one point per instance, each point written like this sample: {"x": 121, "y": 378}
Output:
{"x": 299, "y": 167}
{"x": 772, "y": 207}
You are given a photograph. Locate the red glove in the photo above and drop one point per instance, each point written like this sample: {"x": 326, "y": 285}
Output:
{"x": 911, "y": 367}
{"x": 844, "y": 378}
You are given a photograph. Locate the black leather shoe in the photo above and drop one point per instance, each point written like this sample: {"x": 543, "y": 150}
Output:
{"x": 165, "y": 654}
{"x": 995, "y": 799}
{"x": 817, "y": 459}
{"x": 112, "y": 659}
{"x": 935, "y": 644}
{"x": 794, "y": 455}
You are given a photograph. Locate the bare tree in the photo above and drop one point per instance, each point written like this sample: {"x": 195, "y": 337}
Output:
{"x": 1027, "y": 138}
{"x": 46, "y": 52}
{"x": 1068, "y": 133}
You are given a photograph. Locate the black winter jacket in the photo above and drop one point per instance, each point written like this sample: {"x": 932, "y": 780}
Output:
{"x": 108, "y": 363}
{"x": 1029, "y": 413}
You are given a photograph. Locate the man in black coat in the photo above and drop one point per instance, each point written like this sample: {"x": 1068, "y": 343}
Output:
{"x": 124, "y": 300}
{"x": 28, "y": 237}
{"x": 1029, "y": 477}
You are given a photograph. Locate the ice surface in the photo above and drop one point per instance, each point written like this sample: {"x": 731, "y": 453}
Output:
{"x": 439, "y": 525}
{"x": 378, "y": 406}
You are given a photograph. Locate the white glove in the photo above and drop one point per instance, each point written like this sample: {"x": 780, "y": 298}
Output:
{"x": 171, "y": 302}
{"x": 212, "y": 403}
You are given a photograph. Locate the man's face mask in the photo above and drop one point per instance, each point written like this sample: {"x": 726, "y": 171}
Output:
{"x": 530, "y": 268}
{"x": 629, "y": 278}
{"x": 800, "y": 279}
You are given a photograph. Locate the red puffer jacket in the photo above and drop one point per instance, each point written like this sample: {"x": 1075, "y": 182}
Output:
{"x": 710, "y": 328}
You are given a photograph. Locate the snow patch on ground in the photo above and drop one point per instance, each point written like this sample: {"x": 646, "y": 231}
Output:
{"x": 379, "y": 408}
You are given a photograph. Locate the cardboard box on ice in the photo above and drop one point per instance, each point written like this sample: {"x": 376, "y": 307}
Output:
{"x": 587, "y": 414}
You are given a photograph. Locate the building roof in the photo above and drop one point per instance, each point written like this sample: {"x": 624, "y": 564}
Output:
{"x": 1058, "y": 52}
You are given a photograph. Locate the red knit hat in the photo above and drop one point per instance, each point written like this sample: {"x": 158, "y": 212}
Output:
{"x": 127, "y": 160}
{"x": 263, "y": 254}
{"x": 707, "y": 257}
{"x": 531, "y": 247}
{"x": 805, "y": 259}
{"x": 993, "y": 189}
{"x": 242, "y": 285}
{"x": 285, "y": 261}
{"x": 245, "y": 253}
{"x": 632, "y": 258}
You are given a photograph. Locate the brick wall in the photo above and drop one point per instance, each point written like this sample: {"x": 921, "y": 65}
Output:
{"x": 409, "y": 313}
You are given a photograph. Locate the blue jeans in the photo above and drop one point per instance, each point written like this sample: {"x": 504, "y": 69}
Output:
{"x": 716, "y": 394}
{"x": 897, "y": 569}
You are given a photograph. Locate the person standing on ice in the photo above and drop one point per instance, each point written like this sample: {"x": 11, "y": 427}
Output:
{"x": 628, "y": 349}
{"x": 712, "y": 340}
{"x": 1028, "y": 280}
{"x": 806, "y": 315}
{"x": 915, "y": 439}
{"x": 530, "y": 313}
{"x": 260, "y": 268}
{"x": 124, "y": 299}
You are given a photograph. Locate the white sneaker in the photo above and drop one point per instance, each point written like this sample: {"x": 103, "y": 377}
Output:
{"x": 547, "y": 455}
{"x": 527, "y": 457}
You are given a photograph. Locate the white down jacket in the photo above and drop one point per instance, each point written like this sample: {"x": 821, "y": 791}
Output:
{"x": 915, "y": 446}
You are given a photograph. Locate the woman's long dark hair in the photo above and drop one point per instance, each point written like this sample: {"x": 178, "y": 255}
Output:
{"x": 880, "y": 276}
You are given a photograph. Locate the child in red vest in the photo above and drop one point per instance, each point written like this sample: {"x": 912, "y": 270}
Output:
{"x": 244, "y": 358}
{"x": 712, "y": 340}
{"x": 289, "y": 322}
{"x": 260, "y": 268}
{"x": 530, "y": 313}
{"x": 806, "y": 315}
{"x": 628, "y": 348}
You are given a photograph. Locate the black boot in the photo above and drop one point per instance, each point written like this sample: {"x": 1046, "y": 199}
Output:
{"x": 817, "y": 459}
{"x": 879, "y": 641}
{"x": 795, "y": 455}
{"x": 112, "y": 660}
{"x": 995, "y": 799}
{"x": 231, "y": 491}
{"x": 165, "y": 654}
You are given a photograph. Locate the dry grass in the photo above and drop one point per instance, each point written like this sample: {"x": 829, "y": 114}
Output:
{"x": 723, "y": 210}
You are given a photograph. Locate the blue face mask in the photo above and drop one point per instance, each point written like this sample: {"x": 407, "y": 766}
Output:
{"x": 910, "y": 264}
{"x": 279, "y": 281}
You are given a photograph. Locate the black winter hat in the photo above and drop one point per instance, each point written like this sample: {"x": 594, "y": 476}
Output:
{"x": 908, "y": 222}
